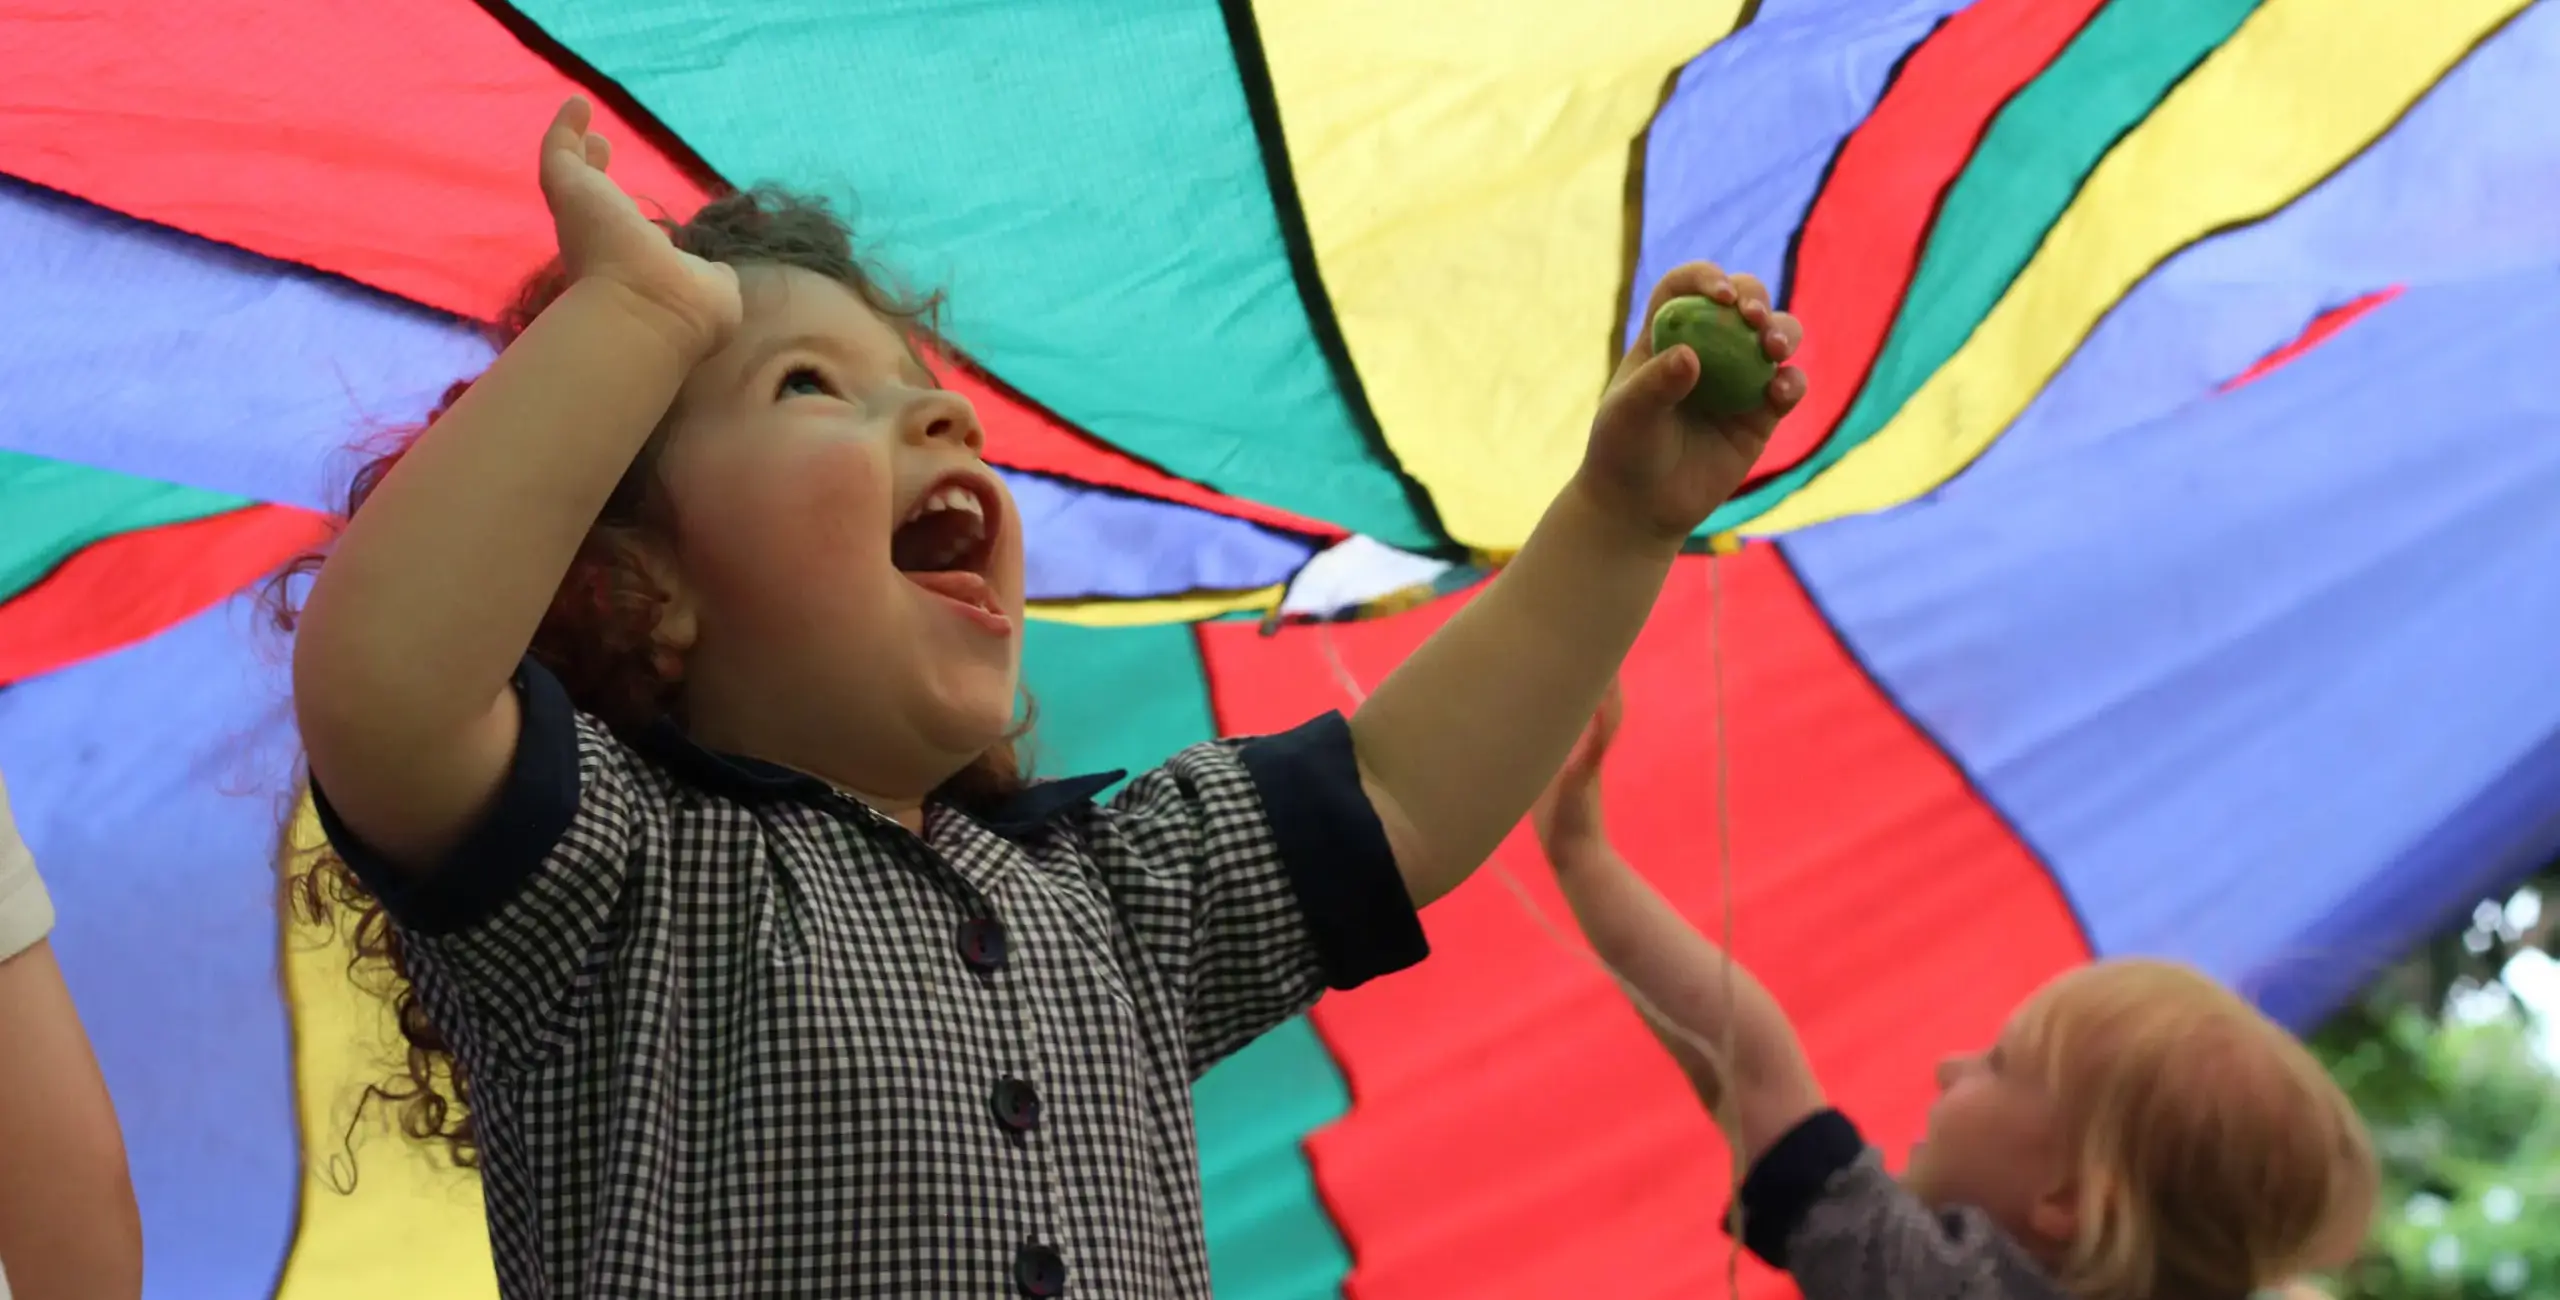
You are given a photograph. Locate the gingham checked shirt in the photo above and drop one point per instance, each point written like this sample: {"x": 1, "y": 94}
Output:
{"x": 1819, "y": 1204}
{"x": 732, "y": 1033}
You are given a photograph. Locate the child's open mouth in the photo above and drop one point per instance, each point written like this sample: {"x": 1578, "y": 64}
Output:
{"x": 945, "y": 541}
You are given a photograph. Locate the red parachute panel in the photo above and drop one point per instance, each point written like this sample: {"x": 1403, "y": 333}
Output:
{"x": 1514, "y": 1130}
{"x": 1862, "y": 239}
{"x": 118, "y": 591}
{"x": 392, "y": 144}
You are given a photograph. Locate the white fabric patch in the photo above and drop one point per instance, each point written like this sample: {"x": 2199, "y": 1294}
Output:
{"x": 26, "y": 911}
{"x": 1354, "y": 573}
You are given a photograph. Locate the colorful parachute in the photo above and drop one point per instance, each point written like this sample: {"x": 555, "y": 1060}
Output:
{"x": 2163, "y": 562}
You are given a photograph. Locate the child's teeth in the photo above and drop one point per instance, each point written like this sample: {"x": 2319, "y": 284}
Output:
{"x": 951, "y": 498}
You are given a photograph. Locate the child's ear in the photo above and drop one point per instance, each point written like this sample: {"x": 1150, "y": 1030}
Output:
{"x": 678, "y": 613}
{"x": 2055, "y": 1215}
{"x": 675, "y": 635}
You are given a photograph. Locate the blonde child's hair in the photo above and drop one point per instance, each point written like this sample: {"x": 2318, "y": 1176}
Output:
{"x": 2215, "y": 1155}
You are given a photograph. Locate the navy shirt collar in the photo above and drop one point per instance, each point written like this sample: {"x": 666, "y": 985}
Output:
{"x": 1015, "y": 816}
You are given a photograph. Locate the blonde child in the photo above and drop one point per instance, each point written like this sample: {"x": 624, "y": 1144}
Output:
{"x": 69, "y": 1229}
{"x": 2135, "y": 1133}
{"x": 662, "y": 698}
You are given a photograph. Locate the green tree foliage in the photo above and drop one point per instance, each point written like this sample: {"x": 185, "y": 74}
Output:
{"x": 2461, "y": 1086}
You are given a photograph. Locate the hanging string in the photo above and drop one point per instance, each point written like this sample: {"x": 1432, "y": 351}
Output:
{"x": 1352, "y": 689}
{"x": 1719, "y": 1053}
{"x": 1725, "y": 1111}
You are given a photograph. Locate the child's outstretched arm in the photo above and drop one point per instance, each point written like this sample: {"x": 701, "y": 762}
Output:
{"x": 68, "y": 1223}
{"x": 1768, "y": 1087}
{"x": 1456, "y": 742}
{"x": 404, "y": 655}
{"x": 1816, "y": 1200}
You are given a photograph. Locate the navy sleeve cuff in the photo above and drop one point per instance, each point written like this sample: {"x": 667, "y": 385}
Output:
{"x": 1335, "y": 852}
{"x": 534, "y": 807}
{"x": 1790, "y": 1177}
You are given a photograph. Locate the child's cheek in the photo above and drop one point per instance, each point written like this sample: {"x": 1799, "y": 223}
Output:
{"x": 777, "y": 523}
{"x": 830, "y": 502}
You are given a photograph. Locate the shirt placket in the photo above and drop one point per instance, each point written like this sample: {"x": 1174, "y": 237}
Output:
{"x": 1017, "y": 1095}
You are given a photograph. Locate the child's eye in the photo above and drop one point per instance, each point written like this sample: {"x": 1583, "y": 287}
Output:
{"x": 804, "y": 381}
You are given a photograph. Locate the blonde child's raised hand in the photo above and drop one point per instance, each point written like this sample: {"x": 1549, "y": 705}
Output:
{"x": 603, "y": 234}
{"x": 1568, "y": 815}
{"x": 1653, "y": 463}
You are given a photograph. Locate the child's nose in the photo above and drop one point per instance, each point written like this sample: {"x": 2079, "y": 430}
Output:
{"x": 1948, "y": 1068}
{"x": 945, "y": 417}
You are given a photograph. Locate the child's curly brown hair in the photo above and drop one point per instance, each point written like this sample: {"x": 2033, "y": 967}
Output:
{"x": 597, "y": 636}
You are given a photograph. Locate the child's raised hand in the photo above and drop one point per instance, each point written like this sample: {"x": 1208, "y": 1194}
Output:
{"x": 1650, "y": 461}
{"x": 603, "y": 235}
{"x": 1567, "y": 816}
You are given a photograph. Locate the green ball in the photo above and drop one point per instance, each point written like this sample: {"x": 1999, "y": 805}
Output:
{"x": 1733, "y": 371}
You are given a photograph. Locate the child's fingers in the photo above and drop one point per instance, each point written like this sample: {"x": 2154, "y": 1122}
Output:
{"x": 1701, "y": 279}
{"x": 1576, "y": 784}
{"x": 1664, "y": 379}
{"x": 565, "y": 142}
{"x": 1748, "y": 292}
{"x": 1693, "y": 279}
{"x": 1786, "y": 388}
{"x": 1604, "y": 724}
{"x": 599, "y": 152}
{"x": 1781, "y": 335}
{"x": 568, "y": 124}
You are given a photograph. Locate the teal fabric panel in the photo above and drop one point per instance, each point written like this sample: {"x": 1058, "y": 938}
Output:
{"x": 53, "y": 509}
{"x": 1128, "y": 697}
{"x": 1084, "y": 179}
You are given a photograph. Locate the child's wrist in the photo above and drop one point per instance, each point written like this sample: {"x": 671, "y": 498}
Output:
{"x": 1578, "y": 851}
{"x": 1595, "y": 509}
{"x": 687, "y": 337}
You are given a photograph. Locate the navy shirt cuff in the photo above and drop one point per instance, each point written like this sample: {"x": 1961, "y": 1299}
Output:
{"x": 1790, "y": 1177}
{"x": 534, "y": 807}
{"x": 1335, "y": 852}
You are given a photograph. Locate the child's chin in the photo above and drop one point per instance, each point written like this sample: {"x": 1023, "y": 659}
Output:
{"x": 984, "y": 714}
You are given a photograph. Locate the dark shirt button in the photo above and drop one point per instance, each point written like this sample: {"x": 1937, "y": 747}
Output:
{"x": 1039, "y": 1271}
{"x": 982, "y": 944}
{"x": 1016, "y": 1104}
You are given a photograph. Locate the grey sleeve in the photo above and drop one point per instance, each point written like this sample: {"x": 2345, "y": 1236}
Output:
{"x": 26, "y": 911}
{"x": 1820, "y": 1205}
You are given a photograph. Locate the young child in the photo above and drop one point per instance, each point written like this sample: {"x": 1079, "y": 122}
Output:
{"x": 2136, "y": 1133}
{"x": 662, "y": 696}
{"x": 68, "y": 1224}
